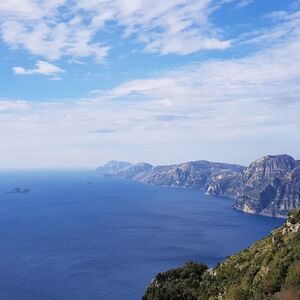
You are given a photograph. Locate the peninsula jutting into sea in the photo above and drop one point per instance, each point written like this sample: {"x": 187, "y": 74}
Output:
{"x": 198, "y": 102}
{"x": 269, "y": 186}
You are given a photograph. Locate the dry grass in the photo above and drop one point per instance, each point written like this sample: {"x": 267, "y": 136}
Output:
{"x": 291, "y": 294}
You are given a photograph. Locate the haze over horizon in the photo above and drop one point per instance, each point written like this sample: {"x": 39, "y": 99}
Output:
{"x": 84, "y": 82}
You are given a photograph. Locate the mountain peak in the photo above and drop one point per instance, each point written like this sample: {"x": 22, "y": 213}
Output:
{"x": 113, "y": 166}
{"x": 268, "y": 167}
{"x": 281, "y": 160}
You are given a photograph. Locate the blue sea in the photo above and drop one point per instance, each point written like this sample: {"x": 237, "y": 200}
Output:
{"x": 76, "y": 236}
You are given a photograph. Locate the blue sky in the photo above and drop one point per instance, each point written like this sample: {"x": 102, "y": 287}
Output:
{"x": 86, "y": 81}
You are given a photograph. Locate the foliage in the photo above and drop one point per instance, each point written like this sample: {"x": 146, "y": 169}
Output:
{"x": 269, "y": 269}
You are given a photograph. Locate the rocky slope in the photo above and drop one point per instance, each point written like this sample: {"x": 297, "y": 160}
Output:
{"x": 269, "y": 186}
{"x": 269, "y": 269}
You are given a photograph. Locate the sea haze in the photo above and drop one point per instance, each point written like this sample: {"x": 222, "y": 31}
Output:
{"x": 76, "y": 236}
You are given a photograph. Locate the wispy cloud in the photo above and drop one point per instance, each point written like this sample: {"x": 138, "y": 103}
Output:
{"x": 286, "y": 27}
{"x": 9, "y": 105}
{"x": 244, "y": 3}
{"x": 189, "y": 112}
{"x": 231, "y": 109}
{"x": 57, "y": 28}
{"x": 41, "y": 67}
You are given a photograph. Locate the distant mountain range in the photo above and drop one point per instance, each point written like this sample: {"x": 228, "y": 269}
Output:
{"x": 190, "y": 175}
{"x": 270, "y": 186}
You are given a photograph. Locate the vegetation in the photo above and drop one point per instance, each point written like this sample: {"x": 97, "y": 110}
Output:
{"x": 269, "y": 269}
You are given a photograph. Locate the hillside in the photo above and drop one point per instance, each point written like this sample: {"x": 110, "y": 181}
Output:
{"x": 269, "y": 269}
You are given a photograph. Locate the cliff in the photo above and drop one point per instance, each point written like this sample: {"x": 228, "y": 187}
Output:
{"x": 270, "y": 186}
{"x": 269, "y": 269}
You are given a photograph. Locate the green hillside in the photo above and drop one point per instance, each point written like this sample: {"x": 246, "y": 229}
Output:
{"x": 269, "y": 269}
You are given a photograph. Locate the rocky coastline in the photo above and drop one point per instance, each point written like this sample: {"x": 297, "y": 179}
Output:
{"x": 269, "y": 186}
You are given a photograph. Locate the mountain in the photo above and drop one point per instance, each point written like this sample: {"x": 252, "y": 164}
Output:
{"x": 112, "y": 166}
{"x": 190, "y": 175}
{"x": 193, "y": 174}
{"x": 269, "y": 269}
{"x": 133, "y": 171}
{"x": 270, "y": 186}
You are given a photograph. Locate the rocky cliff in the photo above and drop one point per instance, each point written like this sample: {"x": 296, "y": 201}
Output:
{"x": 269, "y": 186}
{"x": 269, "y": 269}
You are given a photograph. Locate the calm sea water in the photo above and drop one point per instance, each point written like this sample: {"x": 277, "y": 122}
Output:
{"x": 68, "y": 239}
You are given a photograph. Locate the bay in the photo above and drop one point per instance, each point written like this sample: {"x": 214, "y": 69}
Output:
{"x": 77, "y": 236}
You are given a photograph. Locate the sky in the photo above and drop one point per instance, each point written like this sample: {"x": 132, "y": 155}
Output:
{"x": 86, "y": 81}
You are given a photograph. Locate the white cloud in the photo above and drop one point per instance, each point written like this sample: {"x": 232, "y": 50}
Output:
{"x": 57, "y": 28}
{"x": 6, "y": 105}
{"x": 271, "y": 75}
{"x": 224, "y": 110}
{"x": 287, "y": 27}
{"x": 20, "y": 8}
{"x": 42, "y": 67}
{"x": 178, "y": 26}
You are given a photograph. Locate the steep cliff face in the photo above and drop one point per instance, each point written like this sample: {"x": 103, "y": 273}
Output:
{"x": 269, "y": 269}
{"x": 225, "y": 184}
{"x": 269, "y": 186}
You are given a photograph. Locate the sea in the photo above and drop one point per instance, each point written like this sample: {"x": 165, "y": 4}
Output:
{"x": 75, "y": 236}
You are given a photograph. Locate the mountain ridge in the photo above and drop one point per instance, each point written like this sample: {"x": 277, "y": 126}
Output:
{"x": 269, "y": 186}
{"x": 188, "y": 174}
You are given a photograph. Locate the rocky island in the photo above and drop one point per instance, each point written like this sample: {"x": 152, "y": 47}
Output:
{"x": 18, "y": 190}
{"x": 270, "y": 186}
